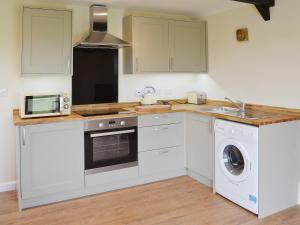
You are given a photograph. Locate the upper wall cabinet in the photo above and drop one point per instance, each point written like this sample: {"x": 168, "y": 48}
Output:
{"x": 164, "y": 46}
{"x": 188, "y": 46}
{"x": 46, "y": 42}
{"x": 152, "y": 39}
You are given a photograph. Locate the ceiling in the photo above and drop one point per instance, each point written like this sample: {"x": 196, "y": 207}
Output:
{"x": 193, "y": 7}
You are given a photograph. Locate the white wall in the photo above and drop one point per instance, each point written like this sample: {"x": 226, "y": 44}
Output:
{"x": 9, "y": 68}
{"x": 10, "y": 79}
{"x": 169, "y": 86}
{"x": 264, "y": 70}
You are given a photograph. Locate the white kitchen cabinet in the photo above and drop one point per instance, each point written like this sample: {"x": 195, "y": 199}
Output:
{"x": 158, "y": 137}
{"x": 46, "y": 42}
{"x": 160, "y": 161}
{"x": 161, "y": 144}
{"x": 150, "y": 38}
{"x": 51, "y": 158}
{"x": 199, "y": 145}
{"x": 188, "y": 46}
{"x": 160, "y": 119}
{"x": 164, "y": 45}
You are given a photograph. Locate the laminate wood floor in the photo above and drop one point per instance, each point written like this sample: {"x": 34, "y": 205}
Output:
{"x": 179, "y": 201}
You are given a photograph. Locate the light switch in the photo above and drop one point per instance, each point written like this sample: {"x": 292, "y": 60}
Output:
{"x": 3, "y": 92}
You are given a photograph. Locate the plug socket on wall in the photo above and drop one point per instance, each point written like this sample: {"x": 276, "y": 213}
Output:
{"x": 3, "y": 92}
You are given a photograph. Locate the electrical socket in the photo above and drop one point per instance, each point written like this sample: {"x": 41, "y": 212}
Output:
{"x": 138, "y": 93}
{"x": 3, "y": 92}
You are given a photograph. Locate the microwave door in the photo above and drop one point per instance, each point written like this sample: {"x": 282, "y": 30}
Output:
{"x": 42, "y": 105}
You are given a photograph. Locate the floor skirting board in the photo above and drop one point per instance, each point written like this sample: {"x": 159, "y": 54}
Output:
{"x": 8, "y": 186}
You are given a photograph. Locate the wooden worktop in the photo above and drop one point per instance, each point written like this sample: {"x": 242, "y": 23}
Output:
{"x": 265, "y": 114}
{"x": 18, "y": 121}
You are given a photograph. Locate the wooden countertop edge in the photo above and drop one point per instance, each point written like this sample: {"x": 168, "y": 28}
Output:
{"x": 254, "y": 122}
{"x": 75, "y": 117}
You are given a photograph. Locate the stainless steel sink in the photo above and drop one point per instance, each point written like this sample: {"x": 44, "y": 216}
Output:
{"x": 223, "y": 110}
{"x": 230, "y": 111}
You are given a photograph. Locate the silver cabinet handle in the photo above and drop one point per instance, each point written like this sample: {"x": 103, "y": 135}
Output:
{"x": 23, "y": 136}
{"x": 136, "y": 64}
{"x": 163, "y": 152}
{"x": 69, "y": 64}
{"x": 159, "y": 117}
{"x": 171, "y": 63}
{"x": 211, "y": 126}
{"x": 112, "y": 133}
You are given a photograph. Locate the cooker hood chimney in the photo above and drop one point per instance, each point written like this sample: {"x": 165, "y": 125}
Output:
{"x": 98, "y": 37}
{"x": 263, "y": 6}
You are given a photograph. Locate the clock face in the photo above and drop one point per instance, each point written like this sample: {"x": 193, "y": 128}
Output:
{"x": 242, "y": 34}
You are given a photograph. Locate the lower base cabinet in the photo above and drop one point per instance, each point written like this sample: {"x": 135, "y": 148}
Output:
{"x": 51, "y": 158}
{"x": 199, "y": 145}
{"x": 159, "y": 161}
{"x": 161, "y": 144}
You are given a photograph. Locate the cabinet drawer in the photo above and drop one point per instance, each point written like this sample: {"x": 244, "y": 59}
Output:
{"x": 158, "y": 137}
{"x": 159, "y": 119}
{"x": 158, "y": 161}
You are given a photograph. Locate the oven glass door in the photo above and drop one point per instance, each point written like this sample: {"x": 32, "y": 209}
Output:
{"x": 44, "y": 104}
{"x": 108, "y": 148}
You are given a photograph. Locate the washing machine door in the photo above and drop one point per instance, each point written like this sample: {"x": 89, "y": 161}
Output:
{"x": 234, "y": 161}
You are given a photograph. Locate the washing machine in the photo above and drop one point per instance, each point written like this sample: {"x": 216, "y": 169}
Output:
{"x": 236, "y": 163}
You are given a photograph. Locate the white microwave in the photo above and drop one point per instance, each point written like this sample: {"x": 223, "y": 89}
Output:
{"x": 45, "y": 104}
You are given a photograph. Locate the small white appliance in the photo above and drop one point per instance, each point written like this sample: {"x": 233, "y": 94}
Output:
{"x": 236, "y": 163}
{"x": 197, "y": 98}
{"x": 45, "y": 104}
{"x": 148, "y": 96}
{"x": 149, "y": 99}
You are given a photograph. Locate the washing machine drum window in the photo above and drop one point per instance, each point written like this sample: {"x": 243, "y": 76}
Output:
{"x": 233, "y": 160}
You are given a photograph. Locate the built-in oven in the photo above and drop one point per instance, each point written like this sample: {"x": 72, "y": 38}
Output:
{"x": 110, "y": 144}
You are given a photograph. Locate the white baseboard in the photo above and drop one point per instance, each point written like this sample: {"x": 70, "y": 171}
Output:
{"x": 200, "y": 178}
{"x": 8, "y": 186}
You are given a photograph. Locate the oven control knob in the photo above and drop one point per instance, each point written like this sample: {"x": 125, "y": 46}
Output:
{"x": 66, "y": 106}
{"x": 100, "y": 124}
{"x": 66, "y": 99}
{"x": 122, "y": 123}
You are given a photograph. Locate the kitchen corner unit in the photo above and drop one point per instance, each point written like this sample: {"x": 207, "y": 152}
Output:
{"x": 170, "y": 144}
{"x": 199, "y": 147}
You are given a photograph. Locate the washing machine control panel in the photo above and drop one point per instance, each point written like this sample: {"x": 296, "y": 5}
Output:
{"x": 235, "y": 130}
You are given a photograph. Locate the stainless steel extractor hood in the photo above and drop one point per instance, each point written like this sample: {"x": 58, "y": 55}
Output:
{"x": 98, "y": 37}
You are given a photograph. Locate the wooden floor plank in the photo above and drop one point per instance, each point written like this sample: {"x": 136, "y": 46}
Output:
{"x": 179, "y": 201}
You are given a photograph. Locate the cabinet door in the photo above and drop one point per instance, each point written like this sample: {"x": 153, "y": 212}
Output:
{"x": 188, "y": 46}
{"x": 52, "y": 158}
{"x": 162, "y": 160}
{"x": 46, "y": 41}
{"x": 158, "y": 137}
{"x": 199, "y": 145}
{"x": 151, "y": 45}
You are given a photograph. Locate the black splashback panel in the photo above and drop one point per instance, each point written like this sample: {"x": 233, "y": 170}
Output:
{"x": 95, "y": 78}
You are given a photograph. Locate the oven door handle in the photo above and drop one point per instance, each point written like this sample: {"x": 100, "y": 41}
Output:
{"x": 112, "y": 133}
